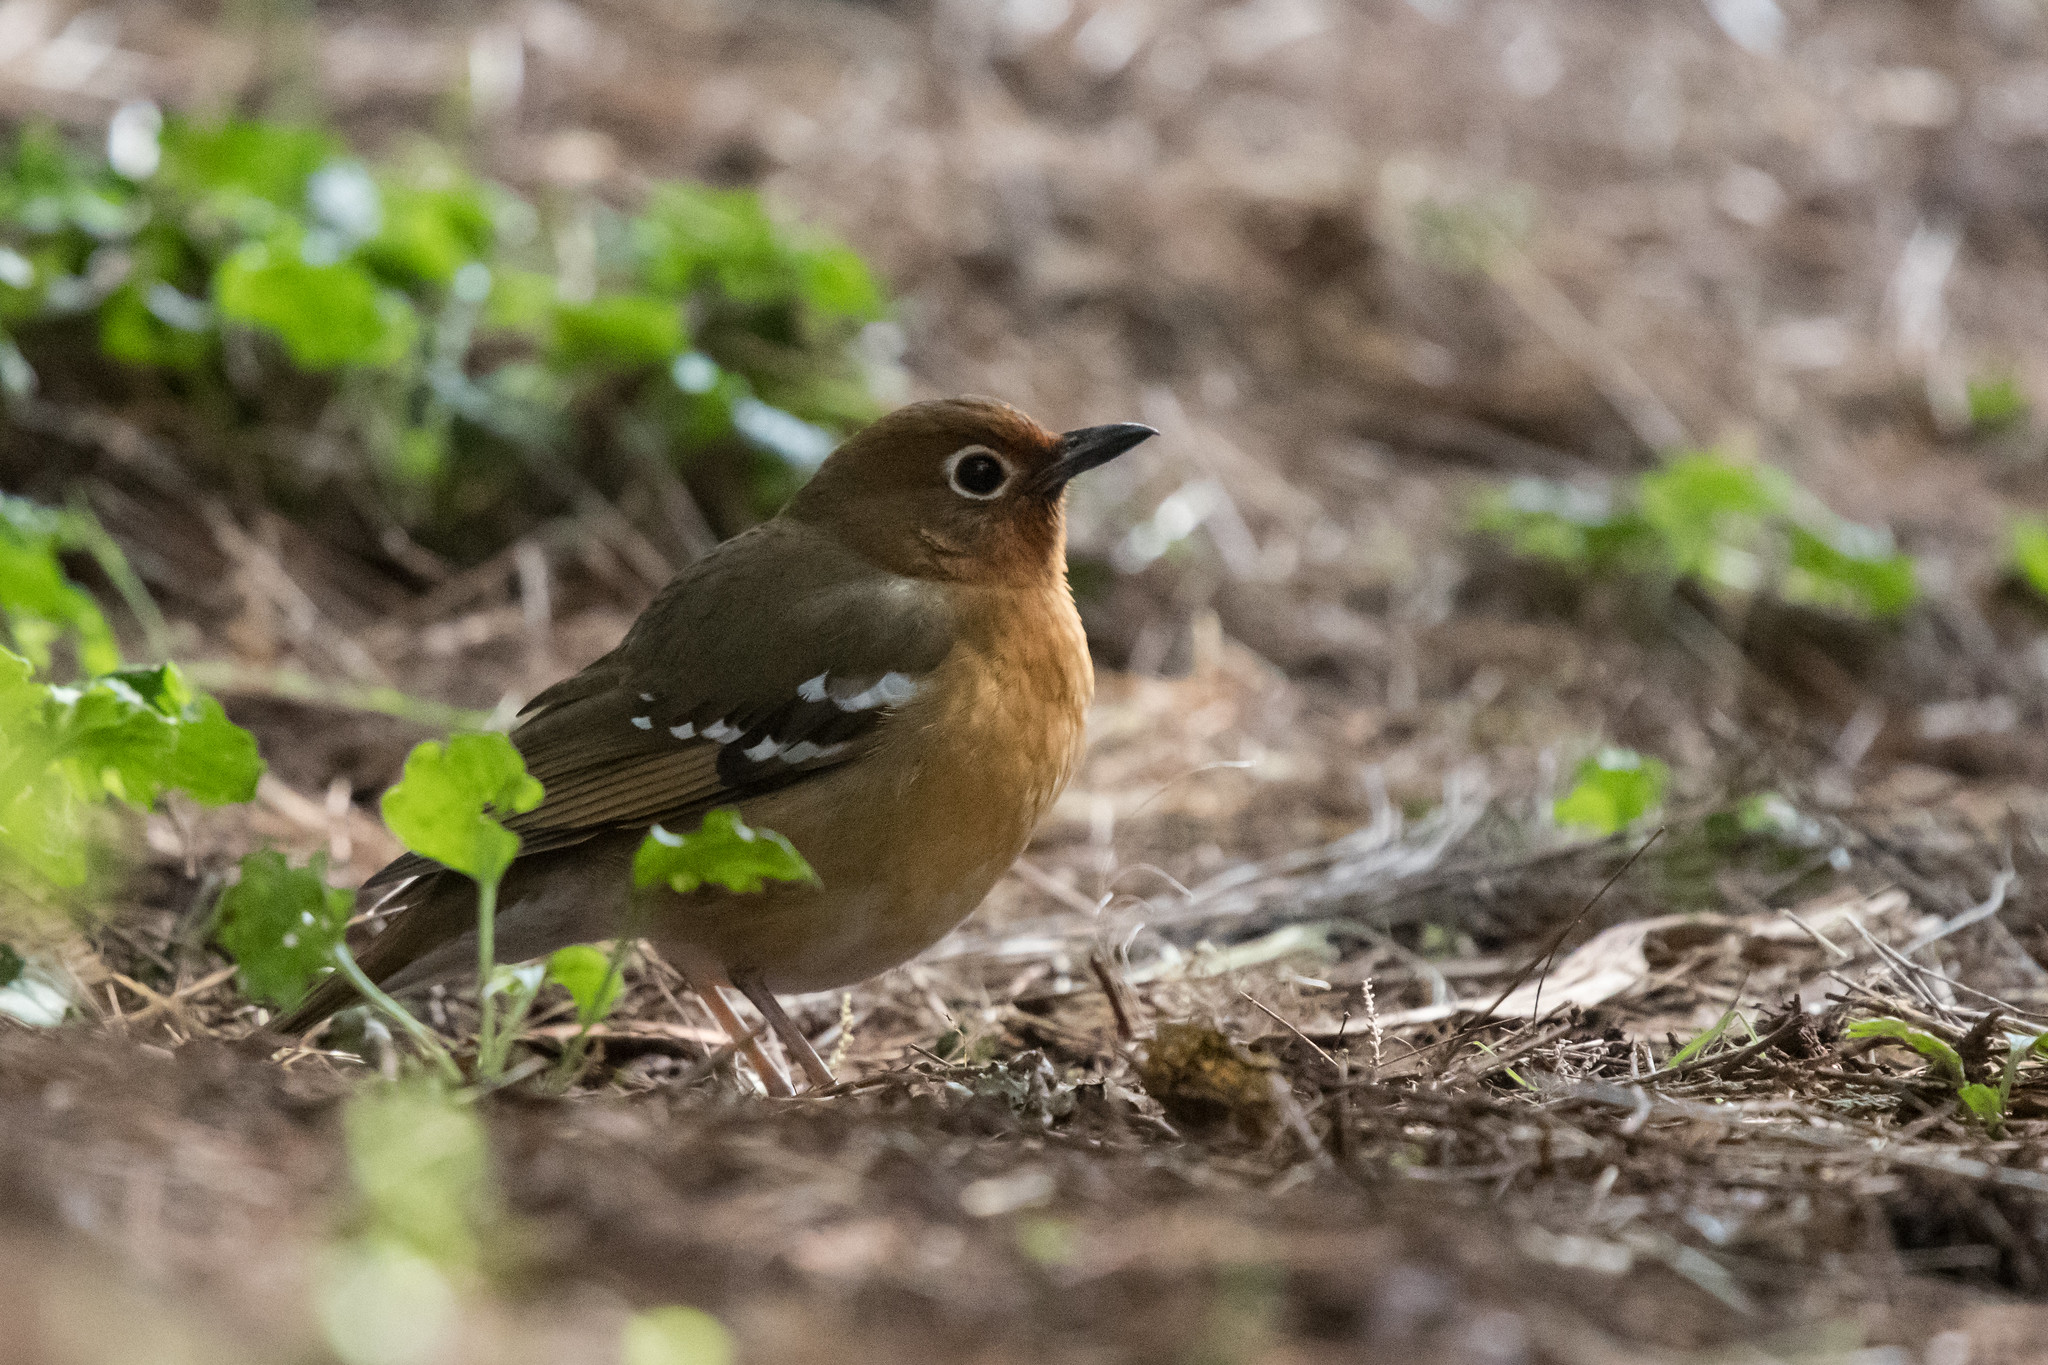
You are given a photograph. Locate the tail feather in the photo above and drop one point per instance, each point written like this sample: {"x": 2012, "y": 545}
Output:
{"x": 426, "y": 913}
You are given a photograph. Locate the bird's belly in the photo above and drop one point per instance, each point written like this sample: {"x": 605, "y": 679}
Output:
{"x": 906, "y": 843}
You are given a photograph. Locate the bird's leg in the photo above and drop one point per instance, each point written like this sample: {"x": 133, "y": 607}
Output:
{"x": 770, "y": 1071}
{"x": 793, "y": 1040}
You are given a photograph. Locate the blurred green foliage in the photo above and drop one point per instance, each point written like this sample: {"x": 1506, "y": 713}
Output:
{"x": 2027, "y": 541}
{"x": 1733, "y": 527}
{"x": 1612, "y": 790}
{"x": 1996, "y": 403}
{"x": 41, "y": 605}
{"x": 478, "y": 356}
{"x": 126, "y": 736}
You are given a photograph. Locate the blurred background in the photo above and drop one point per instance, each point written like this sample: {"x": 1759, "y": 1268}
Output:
{"x": 1569, "y": 410}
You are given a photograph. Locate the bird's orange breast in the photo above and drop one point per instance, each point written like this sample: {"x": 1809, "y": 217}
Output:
{"x": 909, "y": 839}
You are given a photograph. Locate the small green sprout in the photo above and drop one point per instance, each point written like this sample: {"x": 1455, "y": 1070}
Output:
{"x": 1612, "y": 790}
{"x": 446, "y": 807}
{"x": 592, "y": 980}
{"x": 1988, "y": 1103}
{"x": 1733, "y": 526}
{"x": 1704, "y": 1041}
{"x": 590, "y": 977}
{"x": 428, "y": 1213}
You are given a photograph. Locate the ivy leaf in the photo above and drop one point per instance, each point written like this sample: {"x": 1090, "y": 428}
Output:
{"x": 724, "y": 851}
{"x": 588, "y": 977}
{"x": 429, "y": 234}
{"x": 1850, "y": 568}
{"x": 40, "y": 603}
{"x": 837, "y": 283}
{"x": 327, "y": 315}
{"x": 281, "y": 925}
{"x": 244, "y": 159}
{"x": 443, "y": 807}
{"x": 139, "y": 732}
{"x": 623, "y": 331}
{"x": 1613, "y": 789}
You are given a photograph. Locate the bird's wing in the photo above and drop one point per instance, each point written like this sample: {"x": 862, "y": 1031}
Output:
{"x": 777, "y": 657}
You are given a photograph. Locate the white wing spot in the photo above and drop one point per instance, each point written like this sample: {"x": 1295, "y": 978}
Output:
{"x": 647, "y": 696}
{"x": 643, "y": 722}
{"x": 684, "y": 731}
{"x": 892, "y": 689}
{"x": 718, "y": 732}
{"x": 763, "y": 751}
{"x": 812, "y": 689}
{"x": 803, "y": 751}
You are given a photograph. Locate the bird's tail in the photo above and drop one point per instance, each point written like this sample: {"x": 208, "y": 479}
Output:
{"x": 423, "y": 912}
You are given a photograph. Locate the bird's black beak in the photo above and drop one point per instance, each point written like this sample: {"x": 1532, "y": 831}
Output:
{"x": 1082, "y": 450}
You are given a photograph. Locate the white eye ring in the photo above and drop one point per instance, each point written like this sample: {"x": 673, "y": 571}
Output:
{"x": 962, "y": 456}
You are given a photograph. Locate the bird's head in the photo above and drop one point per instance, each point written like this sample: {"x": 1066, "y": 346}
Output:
{"x": 967, "y": 489}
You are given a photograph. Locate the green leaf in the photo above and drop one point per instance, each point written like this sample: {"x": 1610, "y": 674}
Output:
{"x": 149, "y": 326}
{"x": 1703, "y": 1042}
{"x": 723, "y": 851}
{"x": 11, "y": 964}
{"x": 675, "y": 1336}
{"x": 40, "y": 603}
{"x": 443, "y": 807}
{"x": 327, "y": 315}
{"x": 1613, "y": 789}
{"x": 281, "y": 925}
{"x": 836, "y": 283}
{"x": 521, "y": 301}
{"x": 1709, "y": 512}
{"x": 588, "y": 977}
{"x": 422, "y": 1168}
{"x": 1940, "y": 1054}
{"x": 690, "y": 233}
{"x": 1984, "y": 1102}
{"x": 1850, "y": 568}
{"x": 137, "y": 733}
{"x": 1997, "y": 403}
{"x": 429, "y": 234}
{"x": 621, "y": 331}
{"x": 2028, "y": 538}
{"x": 240, "y": 159}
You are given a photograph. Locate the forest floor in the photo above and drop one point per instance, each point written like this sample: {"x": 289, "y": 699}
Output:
{"x": 1303, "y": 1033}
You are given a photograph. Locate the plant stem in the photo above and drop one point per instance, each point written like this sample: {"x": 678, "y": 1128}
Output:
{"x": 486, "y": 1002}
{"x": 399, "y": 1014}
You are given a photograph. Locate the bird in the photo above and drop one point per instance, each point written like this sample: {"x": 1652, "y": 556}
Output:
{"x": 890, "y": 673}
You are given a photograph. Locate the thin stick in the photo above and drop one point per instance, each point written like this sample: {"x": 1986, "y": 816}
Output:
{"x": 1555, "y": 944}
{"x": 1313, "y": 1045}
{"x": 1558, "y": 942}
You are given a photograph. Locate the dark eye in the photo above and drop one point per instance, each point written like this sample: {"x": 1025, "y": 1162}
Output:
{"x": 976, "y": 473}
